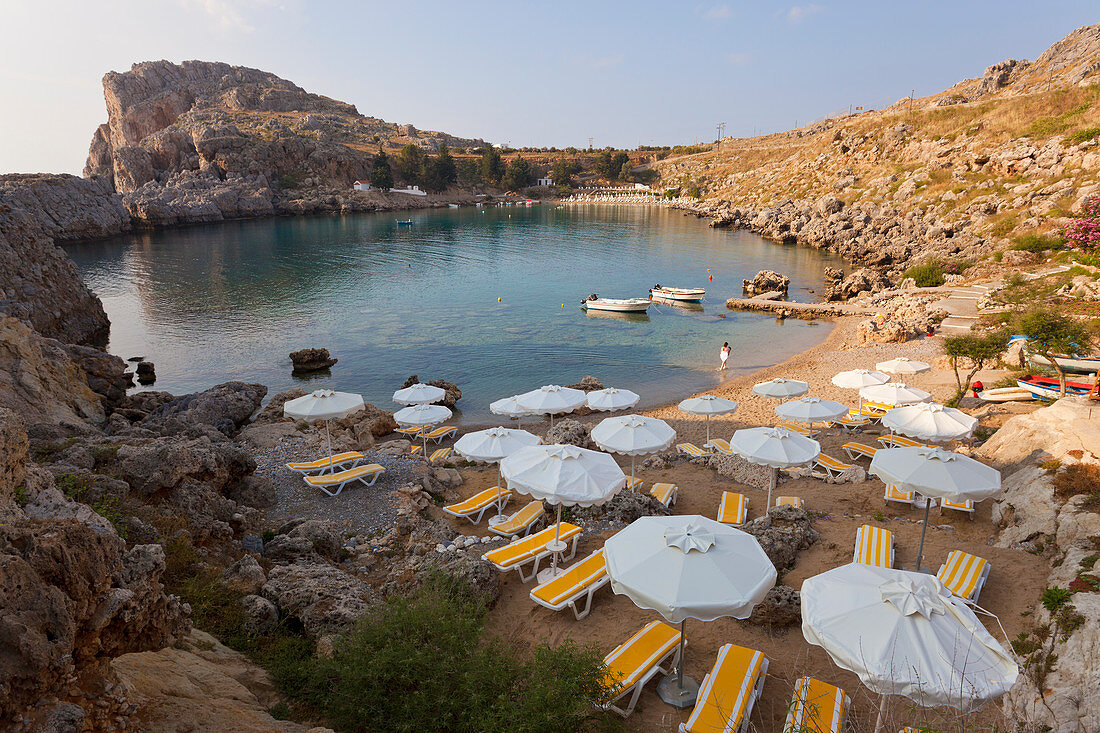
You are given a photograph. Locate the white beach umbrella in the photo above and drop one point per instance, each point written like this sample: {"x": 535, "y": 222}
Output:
{"x": 418, "y": 394}
{"x": 810, "y": 410}
{"x": 612, "y": 399}
{"x": 903, "y": 633}
{"x": 551, "y": 400}
{"x": 633, "y": 435}
{"x": 858, "y": 378}
{"x": 708, "y": 404}
{"x": 781, "y": 389}
{"x": 774, "y": 447}
{"x": 937, "y": 473}
{"x": 929, "y": 421}
{"x": 420, "y": 416}
{"x": 903, "y": 365}
{"x": 564, "y": 475}
{"x": 323, "y": 404}
{"x": 688, "y": 567}
{"x": 508, "y": 407}
{"x": 492, "y": 446}
{"x": 894, "y": 393}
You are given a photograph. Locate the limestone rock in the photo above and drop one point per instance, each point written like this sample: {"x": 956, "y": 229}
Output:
{"x": 782, "y": 606}
{"x": 163, "y": 464}
{"x": 887, "y": 331}
{"x": 225, "y": 407}
{"x": 624, "y": 508}
{"x": 571, "y": 432}
{"x": 783, "y": 532}
{"x": 861, "y": 281}
{"x": 1050, "y": 432}
{"x": 359, "y": 430}
{"x": 766, "y": 281}
{"x": 14, "y": 448}
{"x": 740, "y": 471}
{"x": 311, "y": 360}
{"x": 260, "y": 616}
{"x": 588, "y": 383}
{"x": 245, "y": 575}
{"x": 323, "y": 598}
{"x": 325, "y": 537}
{"x": 273, "y": 410}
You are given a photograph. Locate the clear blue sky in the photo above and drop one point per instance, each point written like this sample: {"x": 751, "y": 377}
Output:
{"x": 545, "y": 73}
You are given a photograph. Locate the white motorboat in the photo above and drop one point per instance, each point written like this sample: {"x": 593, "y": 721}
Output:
{"x": 1006, "y": 394}
{"x": 686, "y": 295}
{"x": 1074, "y": 364}
{"x": 616, "y": 305}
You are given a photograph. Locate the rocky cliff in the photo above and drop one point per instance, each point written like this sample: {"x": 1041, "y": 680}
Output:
{"x": 205, "y": 141}
{"x": 38, "y": 283}
{"x": 952, "y": 176}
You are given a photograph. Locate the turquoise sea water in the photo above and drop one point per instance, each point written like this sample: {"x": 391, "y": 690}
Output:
{"x": 230, "y": 301}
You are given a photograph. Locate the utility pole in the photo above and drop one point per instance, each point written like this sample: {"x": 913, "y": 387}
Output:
{"x": 911, "y": 102}
{"x": 721, "y": 127}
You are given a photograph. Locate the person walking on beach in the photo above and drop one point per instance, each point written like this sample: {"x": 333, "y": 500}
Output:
{"x": 725, "y": 354}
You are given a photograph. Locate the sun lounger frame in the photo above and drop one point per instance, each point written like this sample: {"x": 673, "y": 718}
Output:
{"x": 538, "y": 554}
{"x": 707, "y": 685}
{"x": 492, "y": 500}
{"x": 672, "y": 657}
{"x": 330, "y": 463}
{"x": 341, "y": 479}
{"x": 585, "y": 591}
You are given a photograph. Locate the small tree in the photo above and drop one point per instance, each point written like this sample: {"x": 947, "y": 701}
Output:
{"x": 1050, "y": 333}
{"x": 491, "y": 166}
{"x": 410, "y": 164}
{"x": 563, "y": 171}
{"x": 381, "y": 176}
{"x": 518, "y": 174}
{"x": 978, "y": 348}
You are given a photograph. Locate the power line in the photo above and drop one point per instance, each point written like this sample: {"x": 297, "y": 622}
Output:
{"x": 721, "y": 127}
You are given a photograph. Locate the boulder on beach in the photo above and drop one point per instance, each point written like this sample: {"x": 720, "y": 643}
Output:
{"x": 766, "y": 281}
{"x": 453, "y": 393}
{"x": 861, "y": 281}
{"x": 570, "y": 432}
{"x": 588, "y": 383}
{"x": 311, "y": 360}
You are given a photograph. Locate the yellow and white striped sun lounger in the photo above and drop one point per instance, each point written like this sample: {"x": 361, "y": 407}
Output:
{"x": 795, "y": 501}
{"x": 872, "y": 413}
{"x": 692, "y": 450}
{"x": 475, "y": 507}
{"x": 438, "y": 434}
{"x": 580, "y": 580}
{"x": 728, "y": 692}
{"x": 665, "y": 493}
{"x": 858, "y": 450}
{"x": 818, "y": 707}
{"x": 893, "y": 493}
{"x": 879, "y": 406}
{"x": 414, "y": 449}
{"x": 349, "y": 459}
{"x": 796, "y": 428}
{"x": 633, "y": 483}
{"x": 898, "y": 441}
{"x": 959, "y": 506}
{"x": 519, "y": 523}
{"x": 368, "y": 474}
{"x": 850, "y": 422}
{"x": 734, "y": 509}
{"x": 964, "y": 575}
{"x": 531, "y": 550}
{"x": 439, "y": 455}
{"x": 722, "y": 446}
{"x": 637, "y": 660}
{"x": 874, "y": 546}
{"x": 412, "y": 432}
{"x": 830, "y": 465}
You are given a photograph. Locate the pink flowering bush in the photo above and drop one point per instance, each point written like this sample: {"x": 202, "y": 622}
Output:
{"x": 1084, "y": 232}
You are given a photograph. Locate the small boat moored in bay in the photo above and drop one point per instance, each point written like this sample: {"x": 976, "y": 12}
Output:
{"x": 616, "y": 305}
{"x": 1074, "y": 364}
{"x": 1046, "y": 388}
{"x": 1006, "y": 394}
{"x": 685, "y": 295}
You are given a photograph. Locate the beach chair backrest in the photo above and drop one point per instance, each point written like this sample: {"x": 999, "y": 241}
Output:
{"x": 818, "y": 707}
{"x": 875, "y": 545}
{"x": 635, "y": 656}
{"x": 962, "y": 572}
{"x": 578, "y": 577}
{"x": 727, "y": 692}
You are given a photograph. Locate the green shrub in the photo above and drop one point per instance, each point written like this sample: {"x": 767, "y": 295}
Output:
{"x": 420, "y": 664}
{"x": 926, "y": 276}
{"x": 1037, "y": 243}
{"x": 1081, "y": 136}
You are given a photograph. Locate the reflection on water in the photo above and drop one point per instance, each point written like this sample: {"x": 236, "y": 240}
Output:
{"x": 230, "y": 301}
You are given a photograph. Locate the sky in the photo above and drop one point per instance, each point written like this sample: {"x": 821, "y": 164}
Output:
{"x": 522, "y": 73}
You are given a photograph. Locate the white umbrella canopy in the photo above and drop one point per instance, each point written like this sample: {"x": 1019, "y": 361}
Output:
{"x": 685, "y": 567}
{"x": 774, "y": 447}
{"x": 894, "y": 393}
{"x": 611, "y": 399}
{"x": 781, "y": 389}
{"x": 551, "y": 400}
{"x": 492, "y": 446}
{"x": 508, "y": 407}
{"x": 937, "y": 473}
{"x": 858, "y": 378}
{"x": 633, "y": 435}
{"x": 903, "y": 365}
{"x": 929, "y": 421}
{"x": 419, "y": 394}
{"x": 707, "y": 404}
{"x": 323, "y": 404}
{"x": 417, "y": 415}
{"x": 903, "y": 633}
{"x": 811, "y": 409}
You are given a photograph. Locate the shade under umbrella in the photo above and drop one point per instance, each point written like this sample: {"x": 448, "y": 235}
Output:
{"x": 894, "y": 393}
{"x": 564, "y": 475}
{"x": 774, "y": 447}
{"x": 508, "y": 407}
{"x": 551, "y": 400}
{"x": 903, "y": 633}
{"x": 323, "y": 404}
{"x": 903, "y": 365}
{"x": 781, "y": 389}
{"x": 421, "y": 416}
{"x": 492, "y": 446}
{"x": 419, "y": 394}
{"x": 633, "y": 435}
{"x": 611, "y": 399}
{"x": 858, "y": 378}
{"x": 810, "y": 410}
{"x": 928, "y": 421}
{"x": 937, "y": 473}
{"x": 688, "y": 567}
{"x": 708, "y": 404}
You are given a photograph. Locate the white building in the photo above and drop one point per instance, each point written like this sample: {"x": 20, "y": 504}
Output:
{"x": 361, "y": 186}
{"x": 411, "y": 190}
{"x": 548, "y": 181}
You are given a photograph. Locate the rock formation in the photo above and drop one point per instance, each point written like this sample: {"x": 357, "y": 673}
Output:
{"x": 311, "y": 360}
{"x": 766, "y": 281}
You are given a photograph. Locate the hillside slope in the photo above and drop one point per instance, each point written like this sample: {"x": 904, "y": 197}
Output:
{"x": 953, "y": 175}
{"x": 202, "y": 141}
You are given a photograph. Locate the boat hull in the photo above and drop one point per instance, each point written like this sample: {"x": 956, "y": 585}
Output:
{"x": 1074, "y": 364}
{"x": 1047, "y": 389}
{"x": 633, "y": 305}
{"x": 683, "y": 295}
{"x": 1006, "y": 394}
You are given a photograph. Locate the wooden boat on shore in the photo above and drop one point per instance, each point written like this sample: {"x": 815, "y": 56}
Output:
{"x": 616, "y": 305}
{"x": 1072, "y": 364}
{"x": 684, "y": 295}
{"x": 1046, "y": 388}
{"x": 1006, "y": 394}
